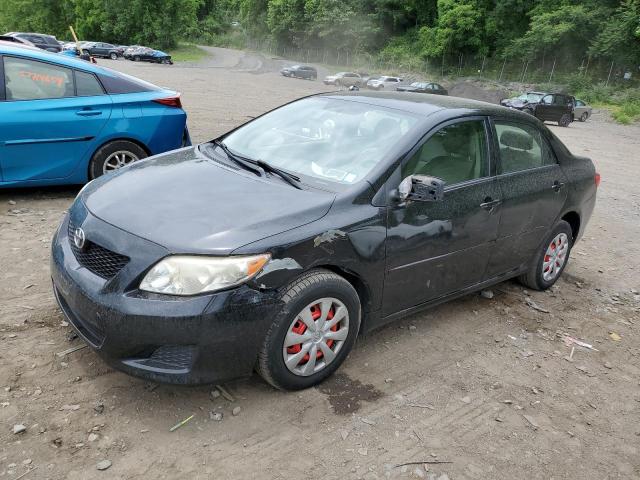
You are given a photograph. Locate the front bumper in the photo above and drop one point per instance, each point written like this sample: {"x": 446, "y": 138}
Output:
{"x": 181, "y": 340}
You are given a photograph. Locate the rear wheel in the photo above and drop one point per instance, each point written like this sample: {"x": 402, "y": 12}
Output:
{"x": 549, "y": 262}
{"x": 584, "y": 117}
{"x": 113, "y": 156}
{"x": 312, "y": 334}
{"x": 113, "y": 56}
{"x": 565, "y": 120}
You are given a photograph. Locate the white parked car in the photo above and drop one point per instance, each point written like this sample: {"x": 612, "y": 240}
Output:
{"x": 384, "y": 82}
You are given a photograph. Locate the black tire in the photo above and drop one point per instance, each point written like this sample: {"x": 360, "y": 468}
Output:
{"x": 565, "y": 120}
{"x": 136, "y": 58}
{"x": 534, "y": 278}
{"x": 584, "y": 117}
{"x": 529, "y": 111}
{"x": 113, "y": 56}
{"x": 102, "y": 154}
{"x": 303, "y": 291}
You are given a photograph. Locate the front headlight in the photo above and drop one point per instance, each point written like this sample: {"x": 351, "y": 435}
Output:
{"x": 190, "y": 275}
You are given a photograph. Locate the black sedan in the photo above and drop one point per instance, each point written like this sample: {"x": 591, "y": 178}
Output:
{"x": 300, "y": 71}
{"x": 424, "y": 87}
{"x": 146, "y": 54}
{"x": 275, "y": 245}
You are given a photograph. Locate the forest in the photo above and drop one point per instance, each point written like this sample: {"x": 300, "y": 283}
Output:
{"x": 390, "y": 29}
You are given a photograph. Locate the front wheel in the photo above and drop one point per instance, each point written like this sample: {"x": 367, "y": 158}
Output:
{"x": 549, "y": 262}
{"x": 584, "y": 117}
{"x": 565, "y": 120}
{"x": 113, "y": 56}
{"x": 113, "y": 156}
{"x": 312, "y": 334}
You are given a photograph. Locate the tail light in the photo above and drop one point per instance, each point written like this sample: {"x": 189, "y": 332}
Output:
{"x": 169, "y": 101}
{"x": 597, "y": 179}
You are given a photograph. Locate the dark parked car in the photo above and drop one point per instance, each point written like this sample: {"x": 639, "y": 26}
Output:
{"x": 275, "y": 245}
{"x": 423, "y": 87}
{"x": 16, "y": 40}
{"x": 555, "y": 107}
{"x": 146, "y": 54}
{"x": 300, "y": 71}
{"x": 104, "y": 50}
{"x": 40, "y": 40}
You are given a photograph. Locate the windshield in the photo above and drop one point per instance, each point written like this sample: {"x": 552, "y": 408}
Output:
{"x": 530, "y": 97}
{"x": 329, "y": 139}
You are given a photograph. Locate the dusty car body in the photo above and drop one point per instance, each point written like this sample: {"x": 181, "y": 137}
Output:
{"x": 376, "y": 206}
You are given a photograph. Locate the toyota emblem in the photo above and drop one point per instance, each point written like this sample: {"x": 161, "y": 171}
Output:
{"x": 79, "y": 238}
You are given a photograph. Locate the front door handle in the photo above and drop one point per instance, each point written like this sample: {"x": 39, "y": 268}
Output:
{"x": 88, "y": 113}
{"x": 557, "y": 186}
{"x": 489, "y": 204}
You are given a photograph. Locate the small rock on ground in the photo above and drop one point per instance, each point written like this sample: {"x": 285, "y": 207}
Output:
{"x": 103, "y": 465}
{"x": 488, "y": 294}
{"x": 236, "y": 411}
{"x": 19, "y": 429}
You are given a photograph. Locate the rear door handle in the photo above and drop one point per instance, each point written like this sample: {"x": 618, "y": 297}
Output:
{"x": 489, "y": 204}
{"x": 88, "y": 113}
{"x": 557, "y": 186}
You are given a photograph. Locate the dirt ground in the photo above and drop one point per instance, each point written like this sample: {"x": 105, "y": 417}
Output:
{"x": 486, "y": 386}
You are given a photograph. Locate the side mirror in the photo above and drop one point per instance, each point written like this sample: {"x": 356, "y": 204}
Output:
{"x": 421, "y": 188}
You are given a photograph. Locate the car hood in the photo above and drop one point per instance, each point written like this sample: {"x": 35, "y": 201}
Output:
{"x": 189, "y": 203}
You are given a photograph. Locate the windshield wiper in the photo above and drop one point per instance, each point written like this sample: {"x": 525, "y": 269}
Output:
{"x": 246, "y": 163}
{"x": 286, "y": 176}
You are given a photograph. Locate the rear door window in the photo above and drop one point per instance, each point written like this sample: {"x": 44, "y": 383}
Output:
{"x": 33, "y": 80}
{"x": 87, "y": 85}
{"x": 522, "y": 147}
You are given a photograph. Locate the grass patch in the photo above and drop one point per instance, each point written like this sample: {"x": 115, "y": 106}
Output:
{"x": 187, "y": 52}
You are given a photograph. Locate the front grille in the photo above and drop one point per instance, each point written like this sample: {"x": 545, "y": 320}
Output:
{"x": 97, "y": 259}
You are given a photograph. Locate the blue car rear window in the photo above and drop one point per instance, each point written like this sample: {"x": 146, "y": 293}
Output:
{"x": 122, "y": 83}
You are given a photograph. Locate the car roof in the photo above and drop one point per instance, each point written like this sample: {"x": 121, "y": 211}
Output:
{"x": 20, "y": 46}
{"x": 424, "y": 105}
{"x": 26, "y": 51}
{"x": 31, "y": 33}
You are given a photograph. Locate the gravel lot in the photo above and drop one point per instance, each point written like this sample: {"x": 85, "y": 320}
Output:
{"x": 485, "y": 384}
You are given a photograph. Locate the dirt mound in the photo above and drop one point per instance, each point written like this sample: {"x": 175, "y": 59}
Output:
{"x": 476, "y": 90}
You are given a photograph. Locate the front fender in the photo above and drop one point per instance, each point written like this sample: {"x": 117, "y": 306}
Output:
{"x": 352, "y": 241}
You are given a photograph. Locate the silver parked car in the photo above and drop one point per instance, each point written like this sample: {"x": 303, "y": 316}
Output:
{"x": 582, "y": 111}
{"x": 344, "y": 79}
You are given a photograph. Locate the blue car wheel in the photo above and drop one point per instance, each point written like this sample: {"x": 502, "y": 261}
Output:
{"x": 113, "y": 156}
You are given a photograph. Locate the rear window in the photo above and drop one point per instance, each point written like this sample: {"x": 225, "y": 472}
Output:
{"x": 122, "y": 83}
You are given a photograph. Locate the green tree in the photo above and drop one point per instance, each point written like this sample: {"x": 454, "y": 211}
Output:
{"x": 620, "y": 37}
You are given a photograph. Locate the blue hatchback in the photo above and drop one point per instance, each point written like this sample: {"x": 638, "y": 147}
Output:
{"x": 66, "y": 121}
